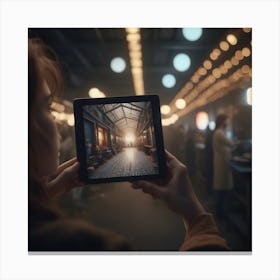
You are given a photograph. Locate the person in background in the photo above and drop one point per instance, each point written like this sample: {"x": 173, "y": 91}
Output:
{"x": 49, "y": 229}
{"x": 190, "y": 153}
{"x": 208, "y": 167}
{"x": 223, "y": 182}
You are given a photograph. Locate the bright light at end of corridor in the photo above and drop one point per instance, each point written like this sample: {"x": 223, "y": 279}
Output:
{"x": 129, "y": 139}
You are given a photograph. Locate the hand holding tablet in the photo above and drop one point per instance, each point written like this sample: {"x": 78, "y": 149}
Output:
{"x": 119, "y": 139}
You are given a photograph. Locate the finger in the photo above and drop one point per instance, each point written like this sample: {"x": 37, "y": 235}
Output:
{"x": 137, "y": 184}
{"x": 73, "y": 169}
{"x": 66, "y": 164}
{"x": 152, "y": 189}
{"x": 172, "y": 161}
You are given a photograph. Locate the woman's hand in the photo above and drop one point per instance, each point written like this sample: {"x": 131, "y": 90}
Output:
{"x": 176, "y": 190}
{"x": 65, "y": 179}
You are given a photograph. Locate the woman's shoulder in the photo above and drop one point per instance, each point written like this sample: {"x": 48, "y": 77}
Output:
{"x": 218, "y": 133}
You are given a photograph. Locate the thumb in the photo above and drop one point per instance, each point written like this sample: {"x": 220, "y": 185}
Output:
{"x": 72, "y": 170}
{"x": 152, "y": 189}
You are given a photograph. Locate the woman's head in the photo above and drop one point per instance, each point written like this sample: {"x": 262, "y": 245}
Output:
{"x": 222, "y": 121}
{"x": 44, "y": 85}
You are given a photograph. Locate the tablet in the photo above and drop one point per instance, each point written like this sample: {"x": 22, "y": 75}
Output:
{"x": 119, "y": 138}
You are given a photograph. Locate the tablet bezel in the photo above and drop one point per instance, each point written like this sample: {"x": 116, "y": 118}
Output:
{"x": 80, "y": 136}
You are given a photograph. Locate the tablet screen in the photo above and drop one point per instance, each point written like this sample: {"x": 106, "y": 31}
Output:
{"x": 120, "y": 139}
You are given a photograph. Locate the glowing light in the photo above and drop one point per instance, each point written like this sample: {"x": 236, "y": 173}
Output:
{"x": 165, "y": 109}
{"x": 181, "y": 62}
{"x": 223, "y": 69}
{"x": 70, "y": 119}
{"x": 95, "y": 93}
{"x": 234, "y": 61}
{"x": 211, "y": 79}
{"x": 249, "y": 96}
{"x": 118, "y": 64}
{"x": 232, "y": 39}
{"x": 168, "y": 80}
{"x": 202, "y": 71}
{"x": 216, "y": 73}
{"x": 227, "y": 64}
{"x": 207, "y": 64}
{"x": 202, "y": 120}
{"x": 212, "y": 125}
{"x": 132, "y": 30}
{"x": 169, "y": 121}
{"x": 247, "y": 30}
{"x": 192, "y": 34}
{"x": 215, "y": 54}
{"x": 246, "y": 52}
{"x": 195, "y": 79}
{"x": 133, "y": 37}
{"x": 180, "y": 103}
{"x": 239, "y": 55}
{"x": 224, "y": 46}
{"x": 129, "y": 139}
{"x": 58, "y": 107}
{"x": 245, "y": 69}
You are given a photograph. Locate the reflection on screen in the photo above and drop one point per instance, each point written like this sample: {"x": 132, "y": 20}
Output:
{"x": 120, "y": 140}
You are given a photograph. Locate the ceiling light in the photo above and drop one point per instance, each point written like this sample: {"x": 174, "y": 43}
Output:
{"x": 211, "y": 79}
{"x": 245, "y": 69}
{"x": 234, "y": 61}
{"x": 135, "y": 54}
{"x": 216, "y": 73}
{"x": 136, "y": 62}
{"x": 168, "y": 80}
{"x": 132, "y": 30}
{"x": 247, "y": 30}
{"x": 165, "y": 109}
{"x": 227, "y": 64}
{"x": 212, "y": 125}
{"x": 182, "y": 62}
{"x": 174, "y": 118}
{"x": 239, "y": 55}
{"x": 118, "y": 64}
{"x": 180, "y": 103}
{"x": 202, "y": 71}
{"x": 189, "y": 85}
{"x": 202, "y": 120}
{"x": 95, "y": 93}
{"x": 217, "y": 52}
{"x": 195, "y": 79}
{"x": 246, "y": 52}
{"x": 249, "y": 96}
{"x": 207, "y": 64}
{"x": 133, "y": 37}
{"x": 231, "y": 39}
{"x": 192, "y": 34}
{"x": 223, "y": 69}
{"x": 224, "y": 46}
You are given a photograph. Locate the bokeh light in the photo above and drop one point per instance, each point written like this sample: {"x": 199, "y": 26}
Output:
{"x": 168, "y": 80}
{"x": 181, "y": 62}
{"x": 118, "y": 64}
{"x": 192, "y": 34}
